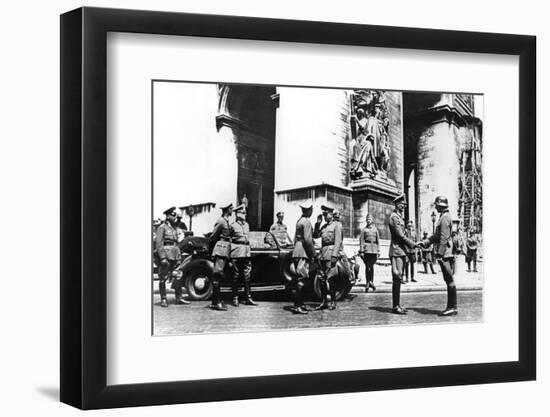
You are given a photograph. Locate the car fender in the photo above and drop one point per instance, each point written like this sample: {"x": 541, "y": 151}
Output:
{"x": 190, "y": 264}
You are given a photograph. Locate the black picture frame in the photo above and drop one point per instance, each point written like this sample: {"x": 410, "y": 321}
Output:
{"x": 84, "y": 207}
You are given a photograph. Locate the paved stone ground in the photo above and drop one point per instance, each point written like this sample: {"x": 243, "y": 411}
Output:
{"x": 370, "y": 309}
{"x": 426, "y": 282}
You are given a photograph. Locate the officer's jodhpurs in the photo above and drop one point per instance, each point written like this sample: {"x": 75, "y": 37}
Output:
{"x": 301, "y": 267}
{"x": 370, "y": 260}
{"x": 447, "y": 268}
{"x": 328, "y": 273}
{"x": 218, "y": 275}
{"x": 164, "y": 275}
{"x": 397, "y": 264}
{"x": 242, "y": 267}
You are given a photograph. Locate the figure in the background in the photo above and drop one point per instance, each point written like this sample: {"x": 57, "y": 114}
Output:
{"x": 410, "y": 259}
{"x": 471, "y": 250}
{"x": 280, "y": 231}
{"x": 427, "y": 258}
{"x": 244, "y": 201}
{"x": 369, "y": 250}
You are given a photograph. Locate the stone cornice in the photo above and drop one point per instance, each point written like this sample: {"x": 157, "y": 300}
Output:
{"x": 318, "y": 185}
{"x": 229, "y": 121}
{"x": 381, "y": 187}
{"x": 439, "y": 114}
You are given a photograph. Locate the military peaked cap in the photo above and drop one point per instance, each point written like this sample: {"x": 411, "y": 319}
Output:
{"x": 401, "y": 198}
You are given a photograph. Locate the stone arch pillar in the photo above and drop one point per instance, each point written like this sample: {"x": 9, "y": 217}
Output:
{"x": 438, "y": 167}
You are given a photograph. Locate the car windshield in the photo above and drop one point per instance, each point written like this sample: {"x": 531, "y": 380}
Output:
{"x": 264, "y": 240}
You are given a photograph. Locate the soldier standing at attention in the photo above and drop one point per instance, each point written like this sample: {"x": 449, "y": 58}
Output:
{"x": 221, "y": 241}
{"x": 443, "y": 245}
{"x": 169, "y": 255}
{"x": 369, "y": 250}
{"x": 471, "y": 251}
{"x": 397, "y": 253}
{"x": 279, "y": 230}
{"x": 239, "y": 232}
{"x": 303, "y": 253}
{"x": 331, "y": 247}
{"x": 410, "y": 260}
{"x": 427, "y": 255}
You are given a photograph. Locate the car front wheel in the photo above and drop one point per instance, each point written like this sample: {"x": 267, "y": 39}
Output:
{"x": 198, "y": 283}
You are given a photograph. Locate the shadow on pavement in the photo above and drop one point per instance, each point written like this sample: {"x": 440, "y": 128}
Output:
{"x": 425, "y": 311}
{"x": 382, "y": 309}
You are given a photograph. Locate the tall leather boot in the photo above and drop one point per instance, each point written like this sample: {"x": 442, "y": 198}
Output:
{"x": 451, "y": 309}
{"x": 248, "y": 300}
{"x": 298, "y": 303}
{"x": 396, "y": 295}
{"x": 162, "y": 292}
{"x": 179, "y": 293}
{"x": 235, "y": 293}
{"x": 324, "y": 296}
{"x": 332, "y": 291}
{"x": 216, "y": 298}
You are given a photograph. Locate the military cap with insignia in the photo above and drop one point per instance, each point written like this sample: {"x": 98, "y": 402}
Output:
{"x": 240, "y": 207}
{"x": 306, "y": 205}
{"x": 401, "y": 198}
{"x": 170, "y": 212}
{"x": 327, "y": 208}
{"x": 225, "y": 206}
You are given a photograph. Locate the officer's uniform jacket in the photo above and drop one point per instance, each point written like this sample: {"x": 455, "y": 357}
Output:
{"x": 240, "y": 245}
{"x": 332, "y": 243}
{"x": 442, "y": 239}
{"x": 280, "y": 232}
{"x": 221, "y": 239}
{"x": 399, "y": 241}
{"x": 369, "y": 240}
{"x": 303, "y": 239}
{"x": 166, "y": 243}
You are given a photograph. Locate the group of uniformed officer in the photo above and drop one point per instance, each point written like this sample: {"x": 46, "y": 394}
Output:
{"x": 231, "y": 247}
{"x": 332, "y": 251}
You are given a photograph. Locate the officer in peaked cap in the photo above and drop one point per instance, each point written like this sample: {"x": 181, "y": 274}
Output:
{"x": 168, "y": 255}
{"x": 239, "y": 232}
{"x": 398, "y": 250}
{"x": 443, "y": 245}
{"x": 220, "y": 242}
{"x": 303, "y": 253}
{"x": 331, "y": 247}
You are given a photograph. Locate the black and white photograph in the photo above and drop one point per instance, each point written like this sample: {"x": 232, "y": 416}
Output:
{"x": 280, "y": 207}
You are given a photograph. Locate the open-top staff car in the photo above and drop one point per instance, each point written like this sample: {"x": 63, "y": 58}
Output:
{"x": 270, "y": 268}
